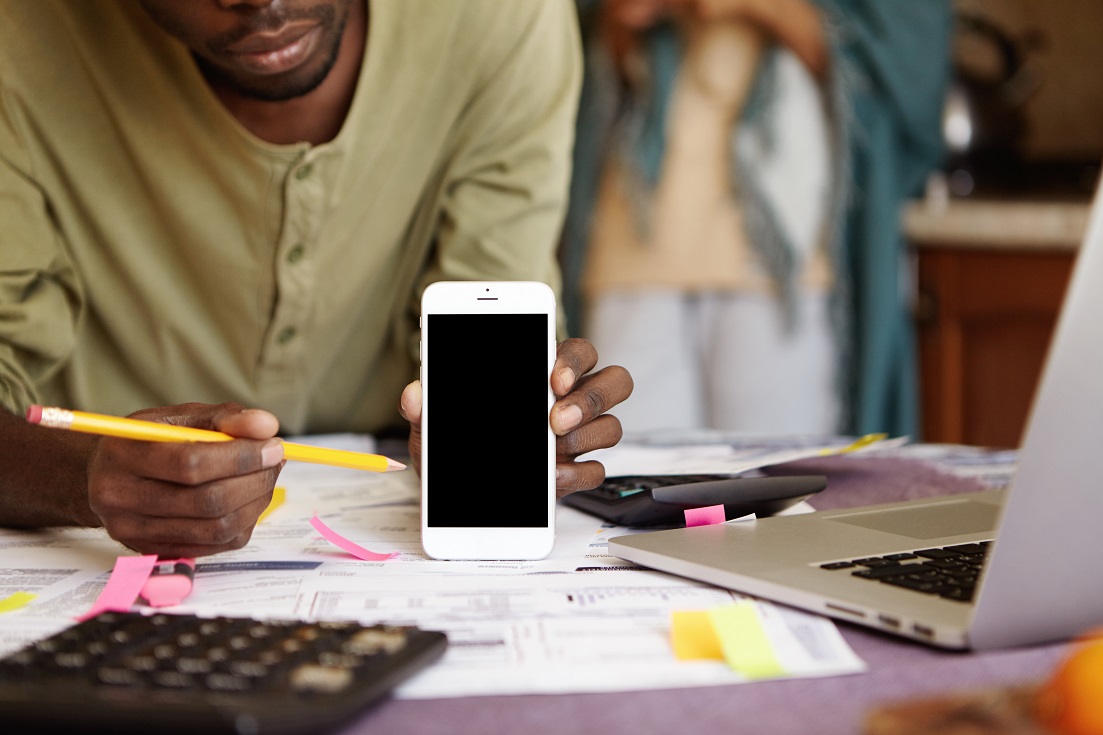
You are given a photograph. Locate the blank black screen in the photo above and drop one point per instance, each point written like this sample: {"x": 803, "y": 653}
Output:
{"x": 487, "y": 420}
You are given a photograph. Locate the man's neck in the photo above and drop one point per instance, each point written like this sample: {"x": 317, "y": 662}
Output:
{"x": 317, "y": 116}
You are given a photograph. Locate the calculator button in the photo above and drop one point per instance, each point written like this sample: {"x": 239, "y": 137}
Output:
{"x": 118, "y": 676}
{"x": 173, "y": 680}
{"x": 318, "y": 678}
{"x": 227, "y": 683}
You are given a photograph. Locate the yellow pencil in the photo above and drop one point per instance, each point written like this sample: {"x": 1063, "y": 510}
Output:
{"x": 94, "y": 423}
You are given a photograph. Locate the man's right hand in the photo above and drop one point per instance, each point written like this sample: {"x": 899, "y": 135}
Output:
{"x": 187, "y": 499}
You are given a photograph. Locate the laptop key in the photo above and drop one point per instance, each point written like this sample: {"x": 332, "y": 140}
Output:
{"x": 912, "y": 584}
{"x": 958, "y": 594}
{"x": 896, "y": 570}
{"x": 837, "y": 565}
{"x": 966, "y": 572}
{"x": 876, "y": 562}
{"x": 966, "y": 548}
{"x": 937, "y": 554}
{"x": 926, "y": 574}
{"x": 944, "y": 564}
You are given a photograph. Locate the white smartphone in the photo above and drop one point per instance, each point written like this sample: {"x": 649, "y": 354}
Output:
{"x": 487, "y": 448}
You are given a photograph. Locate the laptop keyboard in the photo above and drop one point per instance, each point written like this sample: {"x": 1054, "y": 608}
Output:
{"x": 950, "y": 571}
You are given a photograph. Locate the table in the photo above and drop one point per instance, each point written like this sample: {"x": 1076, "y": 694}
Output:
{"x": 898, "y": 669}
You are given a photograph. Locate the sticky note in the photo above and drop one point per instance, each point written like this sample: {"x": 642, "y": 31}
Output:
{"x": 860, "y": 443}
{"x": 706, "y": 516}
{"x": 15, "y": 601}
{"x": 338, "y": 540}
{"x": 693, "y": 637}
{"x": 279, "y": 494}
{"x": 743, "y": 639}
{"x": 124, "y": 585}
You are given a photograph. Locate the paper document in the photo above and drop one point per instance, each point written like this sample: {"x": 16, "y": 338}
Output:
{"x": 726, "y": 456}
{"x": 578, "y": 621}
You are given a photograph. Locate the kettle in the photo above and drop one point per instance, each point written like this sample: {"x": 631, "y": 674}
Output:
{"x": 983, "y": 117}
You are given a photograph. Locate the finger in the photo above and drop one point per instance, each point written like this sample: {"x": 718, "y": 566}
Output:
{"x": 248, "y": 423}
{"x": 409, "y": 405}
{"x": 113, "y": 496}
{"x": 229, "y": 418}
{"x": 189, "y": 463}
{"x": 601, "y": 433}
{"x": 195, "y": 522}
{"x": 574, "y": 476}
{"x": 173, "y": 537}
{"x": 196, "y": 463}
{"x": 592, "y": 396}
{"x": 573, "y": 359}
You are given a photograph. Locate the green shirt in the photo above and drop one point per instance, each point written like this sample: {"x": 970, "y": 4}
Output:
{"x": 154, "y": 252}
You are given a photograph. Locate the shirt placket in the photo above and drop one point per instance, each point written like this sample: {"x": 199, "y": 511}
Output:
{"x": 284, "y": 361}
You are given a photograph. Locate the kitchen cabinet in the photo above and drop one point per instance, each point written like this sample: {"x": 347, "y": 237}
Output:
{"x": 991, "y": 276}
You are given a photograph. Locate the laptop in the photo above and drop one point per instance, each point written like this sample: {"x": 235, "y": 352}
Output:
{"x": 1038, "y": 577}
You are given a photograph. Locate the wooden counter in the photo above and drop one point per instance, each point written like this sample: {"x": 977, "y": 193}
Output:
{"x": 991, "y": 278}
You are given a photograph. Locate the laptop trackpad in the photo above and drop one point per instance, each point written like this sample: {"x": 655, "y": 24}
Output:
{"x": 928, "y": 521}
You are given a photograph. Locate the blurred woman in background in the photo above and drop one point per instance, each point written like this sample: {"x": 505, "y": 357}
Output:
{"x": 733, "y": 234}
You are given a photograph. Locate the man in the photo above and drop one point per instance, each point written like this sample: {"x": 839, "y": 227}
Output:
{"x": 241, "y": 200}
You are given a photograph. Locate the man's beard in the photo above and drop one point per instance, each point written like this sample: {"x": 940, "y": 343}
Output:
{"x": 276, "y": 89}
{"x": 273, "y": 90}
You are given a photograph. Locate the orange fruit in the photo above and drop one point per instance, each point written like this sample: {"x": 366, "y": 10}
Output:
{"x": 1070, "y": 702}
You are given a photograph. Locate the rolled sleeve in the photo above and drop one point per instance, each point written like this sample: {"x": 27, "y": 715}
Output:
{"x": 39, "y": 297}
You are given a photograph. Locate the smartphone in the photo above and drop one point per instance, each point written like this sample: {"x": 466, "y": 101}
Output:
{"x": 487, "y": 448}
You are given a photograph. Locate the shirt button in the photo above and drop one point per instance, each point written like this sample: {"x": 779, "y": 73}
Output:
{"x": 304, "y": 171}
{"x": 295, "y": 254}
{"x": 286, "y": 335}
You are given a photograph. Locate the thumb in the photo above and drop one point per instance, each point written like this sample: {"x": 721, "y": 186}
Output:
{"x": 409, "y": 405}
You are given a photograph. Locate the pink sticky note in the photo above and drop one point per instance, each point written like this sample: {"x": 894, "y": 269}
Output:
{"x": 705, "y": 516}
{"x": 338, "y": 540}
{"x": 124, "y": 585}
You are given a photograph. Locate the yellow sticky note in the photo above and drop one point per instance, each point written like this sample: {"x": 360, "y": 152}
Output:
{"x": 15, "y": 601}
{"x": 692, "y": 636}
{"x": 743, "y": 639}
{"x": 278, "y": 496}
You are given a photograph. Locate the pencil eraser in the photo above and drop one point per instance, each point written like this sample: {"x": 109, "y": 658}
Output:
{"x": 166, "y": 590}
{"x": 169, "y": 583}
{"x": 34, "y": 414}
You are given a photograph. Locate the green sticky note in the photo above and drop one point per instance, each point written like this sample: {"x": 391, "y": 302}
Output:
{"x": 15, "y": 601}
{"x": 744, "y": 642}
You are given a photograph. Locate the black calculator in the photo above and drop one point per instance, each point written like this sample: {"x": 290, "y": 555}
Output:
{"x": 131, "y": 673}
{"x": 662, "y": 500}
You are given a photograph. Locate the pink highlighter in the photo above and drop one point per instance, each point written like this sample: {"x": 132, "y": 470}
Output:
{"x": 169, "y": 582}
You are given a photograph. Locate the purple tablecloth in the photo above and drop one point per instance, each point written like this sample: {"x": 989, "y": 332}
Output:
{"x": 898, "y": 669}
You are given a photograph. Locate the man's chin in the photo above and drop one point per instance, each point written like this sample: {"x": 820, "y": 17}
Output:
{"x": 276, "y": 88}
